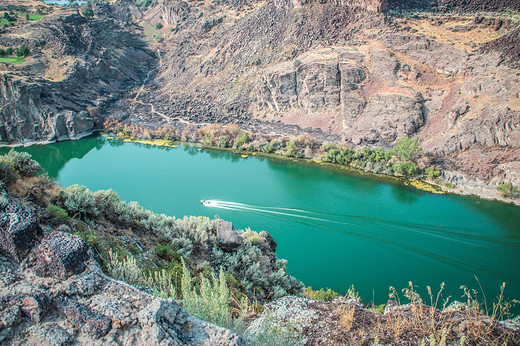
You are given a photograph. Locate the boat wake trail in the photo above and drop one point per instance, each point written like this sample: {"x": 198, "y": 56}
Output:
{"x": 404, "y": 235}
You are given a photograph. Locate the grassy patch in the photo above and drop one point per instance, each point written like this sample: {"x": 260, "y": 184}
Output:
{"x": 35, "y": 16}
{"x": 4, "y": 22}
{"x": 12, "y": 60}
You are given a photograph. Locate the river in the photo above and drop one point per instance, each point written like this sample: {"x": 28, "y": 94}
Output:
{"x": 335, "y": 228}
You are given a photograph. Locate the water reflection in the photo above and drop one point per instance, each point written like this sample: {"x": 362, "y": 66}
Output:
{"x": 54, "y": 157}
{"x": 406, "y": 195}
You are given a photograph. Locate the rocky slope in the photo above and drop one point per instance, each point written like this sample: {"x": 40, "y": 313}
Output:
{"x": 76, "y": 67}
{"x": 348, "y": 73}
{"x": 53, "y": 292}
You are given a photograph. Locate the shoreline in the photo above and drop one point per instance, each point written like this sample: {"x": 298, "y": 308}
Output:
{"x": 468, "y": 188}
{"x": 419, "y": 184}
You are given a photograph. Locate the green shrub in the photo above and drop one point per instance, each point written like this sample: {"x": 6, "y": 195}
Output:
{"x": 407, "y": 168}
{"x": 507, "y": 190}
{"x": 158, "y": 25}
{"x": 432, "y": 173}
{"x": 291, "y": 150}
{"x": 7, "y": 172}
{"x": 297, "y": 63}
{"x": 211, "y": 302}
{"x": 321, "y": 295}
{"x": 88, "y": 13}
{"x": 245, "y": 138}
{"x": 166, "y": 253}
{"x": 256, "y": 61}
{"x": 58, "y": 212}
{"x": 407, "y": 148}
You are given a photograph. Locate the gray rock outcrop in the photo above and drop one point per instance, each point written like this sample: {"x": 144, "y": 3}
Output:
{"x": 61, "y": 255}
{"x": 59, "y": 295}
{"x": 227, "y": 237}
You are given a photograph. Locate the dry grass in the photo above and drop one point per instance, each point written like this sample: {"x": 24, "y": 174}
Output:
{"x": 474, "y": 322}
{"x": 346, "y": 315}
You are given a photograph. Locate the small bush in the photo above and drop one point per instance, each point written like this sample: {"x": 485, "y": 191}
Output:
{"x": 407, "y": 168}
{"x": 321, "y": 295}
{"x": 432, "y": 173}
{"x": 297, "y": 63}
{"x": 88, "y": 13}
{"x": 407, "y": 148}
{"x": 507, "y": 190}
{"x": 211, "y": 303}
{"x": 245, "y": 138}
{"x": 256, "y": 61}
{"x": 166, "y": 253}
{"x": 58, "y": 212}
{"x": 158, "y": 25}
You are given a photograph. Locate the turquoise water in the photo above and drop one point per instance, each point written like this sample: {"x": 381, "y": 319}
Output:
{"x": 335, "y": 228}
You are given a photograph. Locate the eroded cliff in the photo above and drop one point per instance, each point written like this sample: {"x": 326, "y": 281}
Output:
{"x": 76, "y": 67}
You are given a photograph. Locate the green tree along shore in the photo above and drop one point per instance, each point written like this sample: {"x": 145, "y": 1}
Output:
{"x": 405, "y": 160}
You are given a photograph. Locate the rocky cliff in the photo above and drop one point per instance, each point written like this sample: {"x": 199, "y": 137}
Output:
{"x": 76, "y": 67}
{"x": 348, "y": 73}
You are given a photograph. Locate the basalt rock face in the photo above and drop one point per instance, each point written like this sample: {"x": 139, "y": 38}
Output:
{"x": 59, "y": 295}
{"x": 75, "y": 68}
{"x": 455, "y": 5}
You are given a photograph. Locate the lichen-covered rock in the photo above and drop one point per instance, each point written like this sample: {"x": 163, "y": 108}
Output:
{"x": 84, "y": 318}
{"x": 49, "y": 334}
{"x": 18, "y": 229}
{"x": 227, "y": 237}
{"x": 61, "y": 255}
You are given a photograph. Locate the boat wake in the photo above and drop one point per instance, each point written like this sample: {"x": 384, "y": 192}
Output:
{"x": 404, "y": 235}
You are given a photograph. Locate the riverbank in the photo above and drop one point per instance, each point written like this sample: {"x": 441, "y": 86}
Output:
{"x": 464, "y": 185}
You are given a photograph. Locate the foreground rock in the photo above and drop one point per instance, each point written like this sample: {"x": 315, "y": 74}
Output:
{"x": 347, "y": 322}
{"x": 59, "y": 295}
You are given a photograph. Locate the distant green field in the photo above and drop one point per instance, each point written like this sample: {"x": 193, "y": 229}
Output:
{"x": 32, "y": 17}
{"x": 12, "y": 60}
{"x": 35, "y": 16}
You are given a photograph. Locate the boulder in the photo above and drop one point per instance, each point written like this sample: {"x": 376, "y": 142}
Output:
{"x": 227, "y": 237}
{"x": 268, "y": 240}
{"x": 18, "y": 229}
{"x": 84, "y": 318}
{"x": 61, "y": 255}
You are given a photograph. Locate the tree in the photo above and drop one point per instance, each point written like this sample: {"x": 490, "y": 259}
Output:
{"x": 88, "y": 13}
{"x": 23, "y": 50}
{"x": 407, "y": 148}
{"x": 2, "y": 52}
{"x": 8, "y": 51}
